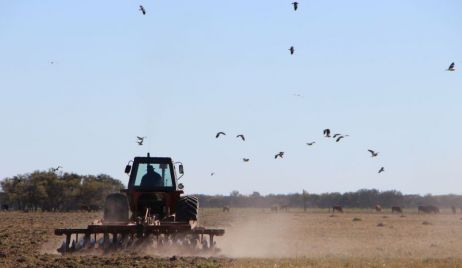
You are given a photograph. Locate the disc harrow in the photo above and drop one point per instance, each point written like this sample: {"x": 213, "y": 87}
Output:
{"x": 119, "y": 237}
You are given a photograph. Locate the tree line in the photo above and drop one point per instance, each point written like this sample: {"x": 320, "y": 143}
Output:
{"x": 364, "y": 198}
{"x": 49, "y": 191}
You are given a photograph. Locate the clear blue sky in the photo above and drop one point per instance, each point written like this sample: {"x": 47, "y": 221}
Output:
{"x": 371, "y": 69}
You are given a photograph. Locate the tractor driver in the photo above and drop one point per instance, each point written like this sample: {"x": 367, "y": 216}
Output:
{"x": 151, "y": 178}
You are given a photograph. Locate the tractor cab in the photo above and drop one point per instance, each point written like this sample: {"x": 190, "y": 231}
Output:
{"x": 153, "y": 186}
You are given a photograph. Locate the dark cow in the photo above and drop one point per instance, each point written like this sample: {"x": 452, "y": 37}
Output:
{"x": 454, "y": 210}
{"x": 378, "y": 208}
{"x": 274, "y": 208}
{"x": 428, "y": 209}
{"x": 226, "y": 209}
{"x": 396, "y": 209}
{"x": 5, "y": 207}
{"x": 338, "y": 208}
{"x": 85, "y": 208}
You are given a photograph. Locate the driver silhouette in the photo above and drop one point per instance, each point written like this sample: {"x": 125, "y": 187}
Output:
{"x": 151, "y": 178}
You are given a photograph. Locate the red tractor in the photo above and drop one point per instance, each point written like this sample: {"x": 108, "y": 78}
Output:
{"x": 160, "y": 215}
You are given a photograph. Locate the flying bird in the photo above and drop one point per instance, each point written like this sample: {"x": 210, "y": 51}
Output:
{"x": 280, "y": 154}
{"x": 56, "y": 169}
{"x": 241, "y": 136}
{"x": 140, "y": 140}
{"x": 295, "y": 4}
{"x": 310, "y": 143}
{"x": 382, "y": 169}
{"x": 213, "y": 173}
{"x": 142, "y": 10}
{"x": 451, "y": 67}
{"x": 292, "y": 50}
{"x": 326, "y": 132}
{"x": 245, "y": 159}
{"x": 339, "y": 138}
{"x": 335, "y": 135}
{"x": 373, "y": 153}
{"x": 219, "y": 133}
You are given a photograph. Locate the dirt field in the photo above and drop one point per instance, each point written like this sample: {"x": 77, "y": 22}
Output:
{"x": 259, "y": 238}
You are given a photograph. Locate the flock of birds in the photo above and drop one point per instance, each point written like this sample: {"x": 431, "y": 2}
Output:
{"x": 327, "y": 132}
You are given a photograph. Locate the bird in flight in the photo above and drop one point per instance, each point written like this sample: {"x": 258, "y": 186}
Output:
{"x": 452, "y": 67}
{"x": 292, "y": 50}
{"x": 326, "y": 132}
{"x": 56, "y": 169}
{"x": 220, "y": 133}
{"x": 382, "y": 169}
{"x": 373, "y": 153}
{"x": 336, "y": 135}
{"x": 280, "y": 154}
{"x": 339, "y": 138}
{"x": 310, "y": 143}
{"x": 142, "y": 10}
{"x": 140, "y": 140}
{"x": 245, "y": 159}
{"x": 241, "y": 136}
{"x": 295, "y": 4}
{"x": 213, "y": 173}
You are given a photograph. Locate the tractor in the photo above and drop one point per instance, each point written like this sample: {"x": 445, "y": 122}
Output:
{"x": 152, "y": 211}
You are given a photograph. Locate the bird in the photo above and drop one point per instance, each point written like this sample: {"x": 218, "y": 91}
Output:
{"x": 382, "y": 169}
{"x": 245, "y": 159}
{"x": 373, "y": 153}
{"x": 295, "y": 4}
{"x": 280, "y": 154}
{"x": 310, "y": 143}
{"x": 292, "y": 50}
{"x": 451, "y": 67}
{"x": 213, "y": 173}
{"x": 335, "y": 135}
{"x": 142, "y": 10}
{"x": 56, "y": 169}
{"x": 298, "y": 95}
{"x": 339, "y": 138}
{"x": 326, "y": 132}
{"x": 220, "y": 133}
{"x": 140, "y": 140}
{"x": 241, "y": 136}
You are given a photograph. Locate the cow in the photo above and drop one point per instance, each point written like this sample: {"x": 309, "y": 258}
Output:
{"x": 428, "y": 209}
{"x": 338, "y": 208}
{"x": 5, "y": 207}
{"x": 274, "y": 208}
{"x": 454, "y": 210}
{"x": 226, "y": 209}
{"x": 396, "y": 209}
{"x": 84, "y": 208}
{"x": 378, "y": 208}
{"x": 284, "y": 208}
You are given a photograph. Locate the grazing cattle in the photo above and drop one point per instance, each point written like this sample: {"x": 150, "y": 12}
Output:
{"x": 94, "y": 207}
{"x": 274, "y": 208}
{"x": 378, "y": 208}
{"x": 428, "y": 209}
{"x": 225, "y": 209}
{"x": 5, "y": 207}
{"x": 396, "y": 209}
{"x": 85, "y": 208}
{"x": 338, "y": 208}
{"x": 284, "y": 208}
{"x": 454, "y": 210}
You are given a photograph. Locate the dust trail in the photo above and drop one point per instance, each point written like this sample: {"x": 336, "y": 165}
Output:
{"x": 262, "y": 237}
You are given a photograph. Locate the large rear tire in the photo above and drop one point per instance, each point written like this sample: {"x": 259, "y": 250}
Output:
{"x": 186, "y": 209}
{"x": 116, "y": 209}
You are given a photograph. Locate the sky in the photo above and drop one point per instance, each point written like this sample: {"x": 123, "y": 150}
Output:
{"x": 374, "y": 70}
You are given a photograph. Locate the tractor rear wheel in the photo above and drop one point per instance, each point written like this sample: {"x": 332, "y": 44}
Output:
{"x": 186, "y": 209}
{"x": 116, "y": 209}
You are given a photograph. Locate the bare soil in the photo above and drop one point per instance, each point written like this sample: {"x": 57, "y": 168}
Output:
{"x": 257, "y": 238}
